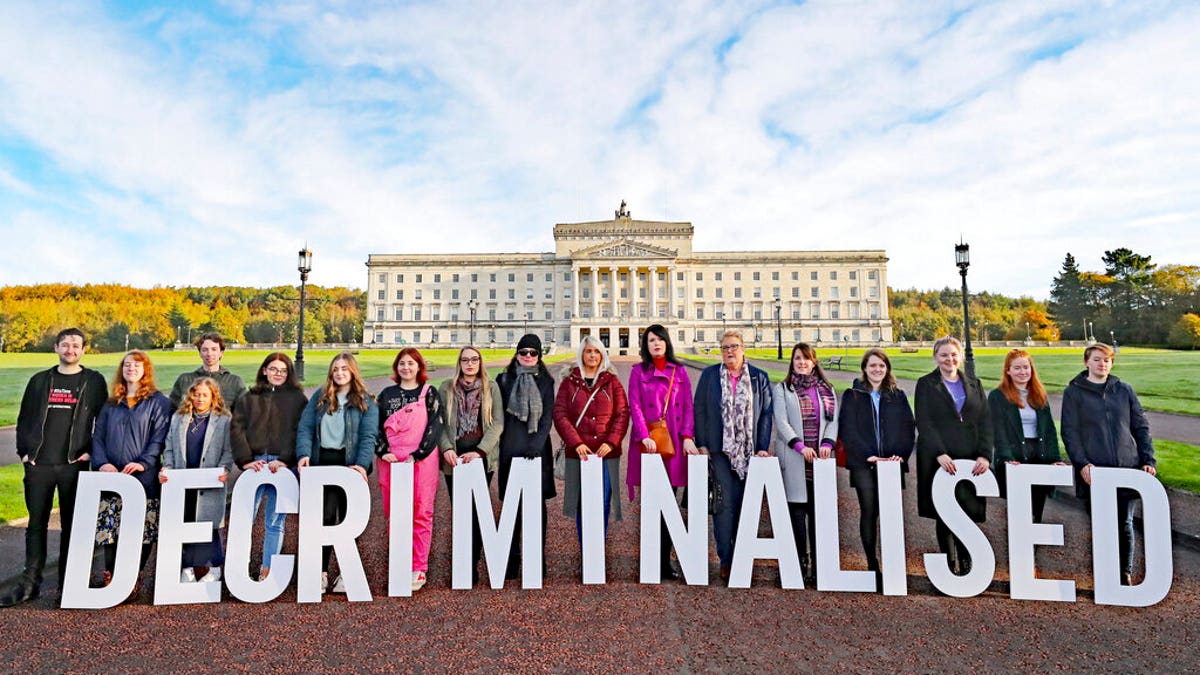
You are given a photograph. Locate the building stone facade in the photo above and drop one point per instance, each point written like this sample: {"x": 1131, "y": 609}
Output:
{"x": 612, "y": 278}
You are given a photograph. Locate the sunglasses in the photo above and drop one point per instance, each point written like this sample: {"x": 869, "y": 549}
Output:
{"x": 527, "y": 352}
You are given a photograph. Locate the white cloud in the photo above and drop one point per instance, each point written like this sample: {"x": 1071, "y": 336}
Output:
{"x": 420, "y": 128}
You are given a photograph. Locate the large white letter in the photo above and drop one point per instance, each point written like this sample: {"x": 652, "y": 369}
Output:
{"x": 524, "y": 489}
{"x": 763, "y": 479}
{"x": 1156, "y": 532}
{"x": 470, "y": 492}
{"x": 400, "y": 528}
{"x": 983, "y": 558}
{"x": 241, "y": 523}
{"x": 830, "y": 575}
{"x": 591, "y": 512}
{"x": 173, "y": 533}
{"x": 76, "y": 594}
{"x": 658, "y": 502}
{"x": 1024, "y": 534}
{"x": 314, "y": 534}
{"x": 893, "y": 561}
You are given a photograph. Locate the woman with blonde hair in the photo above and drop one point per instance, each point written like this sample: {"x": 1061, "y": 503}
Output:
{"x": 591, "y": 414}
{"x": 952, "y": 423}
{"x": 474, "y": 421}
{"x": 338, "y": 428}
{"x": 129, "y": 437}
{"x": 199, "y": 438}
{"x": 1022, "y": 426}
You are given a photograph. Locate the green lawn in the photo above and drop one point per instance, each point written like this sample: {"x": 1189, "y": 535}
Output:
{"x": 12, "y": 493}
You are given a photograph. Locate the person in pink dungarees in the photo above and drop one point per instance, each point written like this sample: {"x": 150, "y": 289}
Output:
{"x": 410, "y": 424}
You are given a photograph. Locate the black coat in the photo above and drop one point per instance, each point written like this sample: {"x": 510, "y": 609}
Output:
{"x": 265, "y": 421}
{"x": 856, "y": 426}
{"x": 516, "y": 441}
{"x": 1103, "y": 425}
{"x": 942, "y": 430}
{"x": 1008, "y": 435}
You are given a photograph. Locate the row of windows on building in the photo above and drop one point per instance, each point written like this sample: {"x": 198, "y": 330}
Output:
{"x": 814, "y": 275}
{"x": 585, "y": 293}
{"x": 508, "y": 336}
{"x": 738, "y": 311}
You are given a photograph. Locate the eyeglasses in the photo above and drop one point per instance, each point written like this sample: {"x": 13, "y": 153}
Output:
{"x": 277, "y": 371}
{"x": 527, "y": 352}
{"x": 730, "y": 348}
{"x": 470, "y": 359}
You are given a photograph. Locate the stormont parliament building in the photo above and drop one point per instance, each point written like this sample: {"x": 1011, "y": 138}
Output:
{"x": 612, "y": 278}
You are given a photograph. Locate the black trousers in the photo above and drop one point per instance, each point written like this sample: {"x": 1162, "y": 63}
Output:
{"x": 866, "y": 484}
{"x": 949, "y": 544}
{"x": 334, "y": 502}
{"x": 41, "y": 480}
{"x": 804, "y": 525}
{"x": 476, "y": 537}
{"x": 664, "y": 556}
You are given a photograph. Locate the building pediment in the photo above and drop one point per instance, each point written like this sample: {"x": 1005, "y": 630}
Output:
{"x": 624, "y": 247}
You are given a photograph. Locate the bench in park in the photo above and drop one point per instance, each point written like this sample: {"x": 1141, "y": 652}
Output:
{"x": 834, "y": 362}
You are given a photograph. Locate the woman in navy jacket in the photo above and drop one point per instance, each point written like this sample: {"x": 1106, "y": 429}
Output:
{"x": 337, "y": 428}
{"x": 734, "y": 417}
{"x": 129, "y": 437}
{"x": 876, "y": 425}
{"x": 1103, "y": 425}
{"x": 528, "y": 392}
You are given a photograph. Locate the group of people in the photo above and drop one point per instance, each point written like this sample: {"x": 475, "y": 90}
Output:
{"x": 71, "y": 421}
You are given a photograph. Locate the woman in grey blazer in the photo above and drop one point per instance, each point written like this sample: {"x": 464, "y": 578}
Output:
{"x": 199, "y": 438}
{"x": 806, "y": 428}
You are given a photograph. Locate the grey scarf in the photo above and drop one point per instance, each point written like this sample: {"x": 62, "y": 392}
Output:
{"x": 525, "y": 403}
{"x": 737, "y": 420}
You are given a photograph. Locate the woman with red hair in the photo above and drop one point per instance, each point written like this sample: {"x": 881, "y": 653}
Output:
{"x": 129, "y": 437}
{"x": 410, "y": 424}
{"x": 1022, "y": 426}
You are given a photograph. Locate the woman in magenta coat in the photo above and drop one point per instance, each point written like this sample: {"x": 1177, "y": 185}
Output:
{"x": 649, "y": 383}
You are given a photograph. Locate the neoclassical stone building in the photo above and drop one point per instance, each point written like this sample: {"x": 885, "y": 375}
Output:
{"x": 611, "y": 278}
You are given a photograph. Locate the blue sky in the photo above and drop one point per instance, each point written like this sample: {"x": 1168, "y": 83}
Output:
{"x": 180, "y": 143}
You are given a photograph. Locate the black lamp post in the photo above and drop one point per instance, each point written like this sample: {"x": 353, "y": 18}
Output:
{"x": 962, "y": 258}
{"x": 778, "y": 331}
{"x": 471, "y": 305}
{"x": 304, "y": 264}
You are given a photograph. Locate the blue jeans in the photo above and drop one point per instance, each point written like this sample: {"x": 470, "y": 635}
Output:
{"x": 725, "y": 523}
{"x": 607, "y": 503}
{"x": 273, "y": 520}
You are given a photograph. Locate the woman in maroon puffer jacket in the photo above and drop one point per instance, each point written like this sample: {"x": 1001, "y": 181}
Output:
{"x": 591, "y": 414}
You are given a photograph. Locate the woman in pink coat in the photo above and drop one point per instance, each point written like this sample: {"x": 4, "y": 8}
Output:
{"x": 660, "y": 383}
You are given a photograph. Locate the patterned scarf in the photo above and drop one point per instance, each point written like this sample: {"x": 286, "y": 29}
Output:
{"x": 525, "y": 403}
{"x": 737, "y": 420}
{"x": 467, "y": 400}
{"x": 802, "y": 385}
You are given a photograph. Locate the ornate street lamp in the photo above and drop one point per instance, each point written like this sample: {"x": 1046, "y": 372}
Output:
{"x": 962, "y": 258}
{"x": 778, "y": 331}
{"x": 304, "y": 264}
{"x": 472, "y": 304}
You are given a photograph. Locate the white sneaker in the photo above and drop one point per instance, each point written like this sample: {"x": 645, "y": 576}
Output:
{"x": 418, "y": 581}
{"x": 188, "y": 575}
{"x": 214, "y": 574}
{"x": 324, "y": 582}
{"x": 339, "y": 586}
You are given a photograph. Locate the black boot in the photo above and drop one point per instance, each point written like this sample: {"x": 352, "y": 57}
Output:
{"x": 809, "y": 570}
{"x": 22, "y": 591}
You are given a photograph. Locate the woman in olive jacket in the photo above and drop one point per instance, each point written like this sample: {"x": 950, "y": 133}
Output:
{"x": 875, "y": 425}
{"x": 952, "y": 423}
{"x": 474, "y": 412}
{"x": 1022, "y": 425}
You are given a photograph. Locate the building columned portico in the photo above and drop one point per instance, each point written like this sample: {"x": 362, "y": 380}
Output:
{"x": 613, "y": 278}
